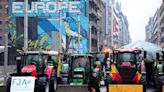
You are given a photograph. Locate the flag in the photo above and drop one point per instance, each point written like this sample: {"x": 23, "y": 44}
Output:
{"x": 59, "y": 66}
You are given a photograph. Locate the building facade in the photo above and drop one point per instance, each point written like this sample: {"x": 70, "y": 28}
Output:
{"x": 155, "y": 27}
{"x": 3, "y": 20}
{"x": 124, "y": 35}
{"x": 117, "y": 33}
{"x": 96, "y": 24}
{"x": 44, "y": 26}
{"x": 47, "y": 25}
{"x": 149, "y": 29}
{"x": 161, "y": 25}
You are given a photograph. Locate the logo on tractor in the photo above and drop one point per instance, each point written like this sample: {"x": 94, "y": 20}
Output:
{"x": 22, "y": 84}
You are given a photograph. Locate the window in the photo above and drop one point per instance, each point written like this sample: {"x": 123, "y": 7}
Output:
{"x": 85, "y": 9}
{"x": 0, "y": 6}
{"x": 7, "y": 22}
{"x": 0, "y": 22}
{"x": 0, "y": 37}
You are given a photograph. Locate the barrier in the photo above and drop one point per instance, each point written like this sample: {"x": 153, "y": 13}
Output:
{"x": 125, "y": 88}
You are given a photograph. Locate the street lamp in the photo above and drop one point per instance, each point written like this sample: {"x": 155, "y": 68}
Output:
{"x": 5, "y": 56}
{"x": 60, "y": 30}
{"x": 26, "y": 25}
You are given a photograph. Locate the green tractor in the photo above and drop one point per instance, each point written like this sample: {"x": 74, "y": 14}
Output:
{"x": 160, "y": 70}
{"x": 64, "y": 73}
{"x": 80, "y": 68}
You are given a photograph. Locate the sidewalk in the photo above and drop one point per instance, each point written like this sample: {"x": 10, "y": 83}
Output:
{"x": 1, "y": 81}
{"x": 10, "y": 69}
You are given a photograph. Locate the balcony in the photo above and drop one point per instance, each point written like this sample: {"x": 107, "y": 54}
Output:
{"x": 93, "y": 36}
{"x": 161, "y": 14}
{"x": 93, "y": 2}
{"x": 92, "y": 23}
{"x": 162, "y": 35}
{"x": 93, "y": 12}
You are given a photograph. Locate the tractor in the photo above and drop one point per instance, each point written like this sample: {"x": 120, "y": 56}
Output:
{"x": 160, "y": 71}
{"x": 153, "y": 69}
{"x": 80, "y": 68}
{"x": 125, "y": 71}
{"x": 42, "y": 65}
{"x": 64, "y": 73}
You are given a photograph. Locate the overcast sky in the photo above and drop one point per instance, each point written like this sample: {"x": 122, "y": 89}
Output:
{"x": 138, "y": 13}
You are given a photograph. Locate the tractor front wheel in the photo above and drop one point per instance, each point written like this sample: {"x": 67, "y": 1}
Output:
{"x": 42, "y": 84}
{"x": 53, "y": 81}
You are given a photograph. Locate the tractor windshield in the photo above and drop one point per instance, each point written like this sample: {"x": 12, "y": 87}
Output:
{"x": 126, "y": 57}
{"x": 81, "y": 62}
{"x": 34, "y": 59}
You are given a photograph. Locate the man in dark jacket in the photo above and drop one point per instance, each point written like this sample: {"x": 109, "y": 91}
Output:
{"x": 93, "y": 85}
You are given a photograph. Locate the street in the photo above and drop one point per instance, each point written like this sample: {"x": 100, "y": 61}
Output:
{"x": 65, "y": 88}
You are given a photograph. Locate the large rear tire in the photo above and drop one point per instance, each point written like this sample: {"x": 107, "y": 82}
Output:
{"x": 8, "y": 84}
{"x": 42, "y": 84}
{"x": 160, "y": 83}
{"x": 143, "y": 82}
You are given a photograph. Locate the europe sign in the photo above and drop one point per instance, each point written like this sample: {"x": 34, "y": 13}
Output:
{"x": 45, "y": 8}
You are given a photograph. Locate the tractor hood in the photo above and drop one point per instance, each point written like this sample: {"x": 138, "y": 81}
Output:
{"x": 127, "y": 73}
{"x": 28, "y": 68}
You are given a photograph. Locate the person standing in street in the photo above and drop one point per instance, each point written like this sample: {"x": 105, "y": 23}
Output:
{"x": 93, "y": 85}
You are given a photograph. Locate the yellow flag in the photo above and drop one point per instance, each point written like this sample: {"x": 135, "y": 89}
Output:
{"x": 113, "y": 69}
{"x": 59, "y": 65}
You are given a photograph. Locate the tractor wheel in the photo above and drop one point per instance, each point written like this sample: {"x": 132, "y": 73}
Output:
{"x": 53, "y": 82}
{"x": 160, "y": 83}
{"x": 108, "y": 80}
{"x": 8, "y": 84}
{"x": 143, "y": 82}
{"x": 42, "y": 84}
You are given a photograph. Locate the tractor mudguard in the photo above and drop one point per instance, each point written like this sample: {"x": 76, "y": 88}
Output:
{"x": 48, "y": 71}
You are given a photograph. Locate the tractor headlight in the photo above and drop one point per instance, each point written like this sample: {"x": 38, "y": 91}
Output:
{"x": 133, "y": 66}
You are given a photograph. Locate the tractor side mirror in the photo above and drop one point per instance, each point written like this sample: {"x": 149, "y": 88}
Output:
{"x": 18, "y": 59}
{"x": 163, "y": 55}
{"x": 145, "y": 54}
{"x": 160, "y": 56}
{"x": 157, "y": 56}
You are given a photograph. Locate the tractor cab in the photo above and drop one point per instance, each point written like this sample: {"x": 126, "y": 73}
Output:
{"x": 80, "y": 68}
{"x": 126, "y": 65}
{"x": 42, "y": 65}
{"x": 160, "y": 62}
{"x": 35, "y": 62}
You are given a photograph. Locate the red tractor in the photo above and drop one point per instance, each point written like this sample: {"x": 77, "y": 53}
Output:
{"x": 125, "y": 71}
{"x": 39, "y": 64}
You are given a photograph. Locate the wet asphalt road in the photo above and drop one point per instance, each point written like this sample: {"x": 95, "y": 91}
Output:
{"x": 64, "y": 89}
